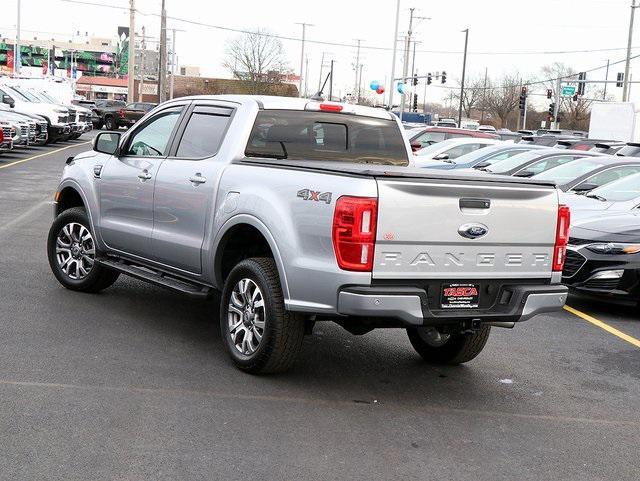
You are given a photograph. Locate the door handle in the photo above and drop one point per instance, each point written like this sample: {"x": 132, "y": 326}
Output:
{"x": 197, "y": 179}
{"x": 144, "y": 175}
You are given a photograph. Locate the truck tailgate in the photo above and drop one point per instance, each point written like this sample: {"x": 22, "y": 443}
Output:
{"x": 469, "y": 229}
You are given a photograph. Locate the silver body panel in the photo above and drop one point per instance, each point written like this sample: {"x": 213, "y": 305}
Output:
{"x": 166, "y": 222}
{"x": 418, "y": 231}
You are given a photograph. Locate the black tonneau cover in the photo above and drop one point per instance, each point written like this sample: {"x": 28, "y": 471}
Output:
{"x": 373, "y": 170}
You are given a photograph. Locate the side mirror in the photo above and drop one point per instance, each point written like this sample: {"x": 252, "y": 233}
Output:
{"x": 584, "y": 187}
{"x": 442, "y": 156}
{"x": 107, "y": 142}
{"x": 524, "y": 173}
{"x": 8, "y": 100}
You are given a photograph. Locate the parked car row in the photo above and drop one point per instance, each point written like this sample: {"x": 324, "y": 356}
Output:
{"x": 602, "y": 192}
{"x": 29, "y": 116}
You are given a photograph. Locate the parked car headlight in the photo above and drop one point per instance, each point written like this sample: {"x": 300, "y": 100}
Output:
{"x": 614, "y": 248}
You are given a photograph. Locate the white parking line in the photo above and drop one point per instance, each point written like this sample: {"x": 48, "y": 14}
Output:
{"x": 42, "y": 155}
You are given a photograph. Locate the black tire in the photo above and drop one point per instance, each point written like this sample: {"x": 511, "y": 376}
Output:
{"x": 98, "y": 278}
{"x": 283, "y": 330}
{"x": 458, "y": 349}
{"x": 110, "y": 123}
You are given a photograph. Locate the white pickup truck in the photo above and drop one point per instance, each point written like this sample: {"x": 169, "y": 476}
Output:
{"x": 300, "y": 211}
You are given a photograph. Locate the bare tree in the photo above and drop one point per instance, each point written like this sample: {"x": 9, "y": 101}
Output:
{"x": 473, "y": 97}
{"x": 257, "y": 58}
{"x": 503, "y": 96}
{"x": 574, "y": 114}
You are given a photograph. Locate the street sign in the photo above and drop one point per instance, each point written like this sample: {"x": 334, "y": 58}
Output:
{"x": 568, "y": 90}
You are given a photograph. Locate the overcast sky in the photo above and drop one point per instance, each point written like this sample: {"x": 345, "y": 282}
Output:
{"x": 496, "y": 27}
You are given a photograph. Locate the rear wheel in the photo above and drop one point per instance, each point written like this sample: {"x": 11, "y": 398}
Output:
{"x": 72, "y": 253}
{"x": 110, "y": 123}
{"x": 257, "y": 332}
{"x": 439, "y": 348}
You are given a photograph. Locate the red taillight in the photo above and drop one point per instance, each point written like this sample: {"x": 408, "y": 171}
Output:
{"x": 354, "y": 232}
{"x": 562, "y": 237}
{"x": 331, "y": 107}
{"x": 121, "y": 113}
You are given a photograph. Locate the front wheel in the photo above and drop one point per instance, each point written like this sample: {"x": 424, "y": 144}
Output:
{"x": 439, "y": 348}
{"x": 72, "y": 253}
{"x": 256, "y": 330}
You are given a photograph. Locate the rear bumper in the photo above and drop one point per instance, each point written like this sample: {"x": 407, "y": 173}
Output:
{"x": 410, "y": 305}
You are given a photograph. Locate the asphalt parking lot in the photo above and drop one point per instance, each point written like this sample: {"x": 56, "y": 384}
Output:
{"x": 133, "y": 384}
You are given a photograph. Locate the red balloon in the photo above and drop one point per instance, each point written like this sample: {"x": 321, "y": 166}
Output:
{"x": 380, "y": 90}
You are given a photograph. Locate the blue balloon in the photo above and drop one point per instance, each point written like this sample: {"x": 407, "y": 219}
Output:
{"x": 374, "y": 85}
{"x": 401, "y": 87}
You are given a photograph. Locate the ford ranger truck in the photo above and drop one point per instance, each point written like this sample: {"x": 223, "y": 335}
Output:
{"x": 298, "y": 212}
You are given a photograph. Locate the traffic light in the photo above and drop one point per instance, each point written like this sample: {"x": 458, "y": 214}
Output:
{"x": 575, "y": 97}
{"x": 552, "y": 109}
{"x": 549, "y": 93}
{"x": 415, "y": 80}
{"x": 620, "y": 79}
{"x": 444, "y": 77}
{"x": 415, "y": 102}
{"x": 523, "y": 101}
{"x": 582, "y": 76}
{"x": 429, "y": 78}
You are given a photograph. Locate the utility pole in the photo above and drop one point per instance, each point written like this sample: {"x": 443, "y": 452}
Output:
{"x": 304, "y": 35}
{"x": 405, "y": 69}
{"x": 558, "y": 97}
{"x": 331, "y": 83}
{"x": 357, "y": 67}
{"x": 359, "y": 84}
{"x": 306, "y": 77}
{"x": 464, "y": 71}
{"x": 162, "y": 74}
{"x": 625, "y": 86}
{"x": 132, "y": 52}
{"x": 606, "y": 77}
{"x": 17, "y": 59}
{"x": 321, "y": 68}
{"x": 173, "y": 60}
{"x": 484, "y": 95}
{"x": 141, "y": 84}
{"x": 391, "y": 87}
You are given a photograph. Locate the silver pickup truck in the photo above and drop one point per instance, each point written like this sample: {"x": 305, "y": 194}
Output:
{"x": 300, "y": 211}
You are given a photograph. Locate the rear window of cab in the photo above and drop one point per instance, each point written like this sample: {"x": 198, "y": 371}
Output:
{"x": 310, "y": 135}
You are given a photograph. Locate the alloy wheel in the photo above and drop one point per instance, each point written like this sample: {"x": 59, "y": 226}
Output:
{"x": 75, "y": 251}
{"x": 246, "y": 316}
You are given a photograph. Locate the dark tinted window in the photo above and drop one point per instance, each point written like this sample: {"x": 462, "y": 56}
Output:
{"x": 305, "y": 135}
{"x": 204, "y": 132}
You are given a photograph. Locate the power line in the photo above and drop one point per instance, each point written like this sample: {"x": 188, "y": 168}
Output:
{"x": 349, "y": 45}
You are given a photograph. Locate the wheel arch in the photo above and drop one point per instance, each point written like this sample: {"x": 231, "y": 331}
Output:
{"x": 241, "y": 237}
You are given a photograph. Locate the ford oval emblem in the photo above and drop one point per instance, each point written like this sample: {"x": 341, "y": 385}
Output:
{"x": 473, "y": 231}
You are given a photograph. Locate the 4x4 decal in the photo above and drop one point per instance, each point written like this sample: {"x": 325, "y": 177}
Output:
{"x": 308, "y": 194}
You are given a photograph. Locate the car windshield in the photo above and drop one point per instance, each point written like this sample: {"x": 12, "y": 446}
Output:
{"x": 429, "y": 137}
{"x": 627, "y": 188}
{"x": 629, "y": 151}
{"x": 48, "y": 97}
{"x": 513, "y": 162}
{"x": 433, "y": 148}
{"x": 571, "y": 170}
{"x": 28, "y": 95}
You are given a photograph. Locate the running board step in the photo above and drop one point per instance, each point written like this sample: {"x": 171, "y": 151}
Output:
{"x": 158, "y": 278}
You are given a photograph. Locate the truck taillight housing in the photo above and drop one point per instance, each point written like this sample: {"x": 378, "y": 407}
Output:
{"x": 121, "y": 113}
{"x": 562, "y": 237}
{"x": 354, "y": 232}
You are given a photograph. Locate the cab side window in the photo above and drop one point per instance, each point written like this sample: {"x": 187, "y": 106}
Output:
{"x": 204, "y": 132}
{"x": 152, "y": 139}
